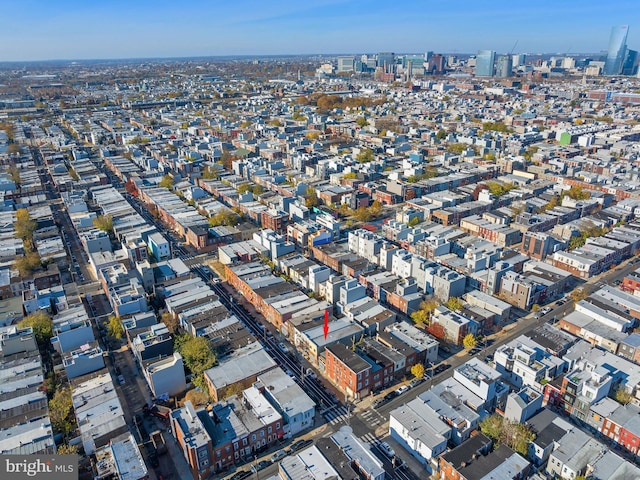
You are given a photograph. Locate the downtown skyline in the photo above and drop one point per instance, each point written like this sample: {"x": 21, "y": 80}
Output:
{"x": 71, "y": 29}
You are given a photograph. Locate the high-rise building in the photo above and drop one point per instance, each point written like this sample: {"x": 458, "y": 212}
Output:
{"x": 617, "y": 50}
{"x": 346, "y": 64}
{"x": 484, "y": 63}
{"x": 629, "y": 64}
{"x": 505, "y": 66}
{"x": 387, "y": 60}
{"x": 519, "y": 59}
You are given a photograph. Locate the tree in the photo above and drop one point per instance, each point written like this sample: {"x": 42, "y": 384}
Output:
{"x": 441, "y": 135}
{"x": 423, "y": 315}
{"x": 420, "y": 317}
{"x": 66, "y": 449}
{"x": 14, "y": 173}
{"x": 578, "y": 294}
{"x": 170, "y": 321}
{"x": 350, "y": 176}
{"x": 413, "y": 222}
{"x": 41, "y": 324}
{"x": 363, "y": 214}
{"x": 455, "y": 304}
{"x": 622, "y": 396}
{"x": 418, "y": 370}
{"x": 224, "y": 217}
{"x": 197, "y": 397}
{"x": 28, "y": 263}
{"x": 104, "y": 223}
{"x": 257, "y": 190}
{"x": 24, "y": 225}
{"x": 469, "y": 341}
{"x": 491, "y": 426}
{"x": 197, "y": 353}
{"x": 515, "y": 435}
{"x": 362, "y": 122}
{"x": 115, "y": 328}
{"x": 311, "y": 198}
{"x": 499, "y": 189}
{"x": 61, "y": 410}
{"x": 375, "y": 208}
{"x": 14, "y": 149}
{"x": 167, "y": 182}
{"x": 535, "y": 307}
{"x": 210, "y": 173}
{"x": 365, "y": 156}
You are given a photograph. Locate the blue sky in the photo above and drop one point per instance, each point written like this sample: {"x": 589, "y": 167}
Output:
{"x": 81, "y": 29}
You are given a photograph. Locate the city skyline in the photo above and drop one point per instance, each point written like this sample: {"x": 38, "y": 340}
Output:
{"x": 70, "y": 29}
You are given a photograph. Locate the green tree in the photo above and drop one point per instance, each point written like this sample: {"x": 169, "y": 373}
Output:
{"x": 61, "y": 411}
{"x": 363, "y": 214}
{"x": 257, "y": 190}
{"x": 224, "y": 217}
{"x": 115, "y": 328}
{"x": 167, "y": 182}
{"x": 413, "y": 222}
{"x": 311, "y": 198}
{"x": 210, "y": 173}
{"x": 41, "y": 324}
{"x": 442, "y": 134}
{"x": 418, "y": 370}
{"x": 350, "y": 176}
{"x": 243, "y": 188}
{"x": 197, "y": 353}
{"x": 469, "y": 341}
{"x": 362, "y": 122}
{"x": 515, "y": 435}
{"x": 499, "y": 189}
{"x": 455, "y": 304}
{"x": 104, "y": 223}
{"x": 491, "y": 426}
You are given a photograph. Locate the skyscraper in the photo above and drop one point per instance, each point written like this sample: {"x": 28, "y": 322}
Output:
{"x": 617, "y": 50}
{"x": 484, "y": 63}
{"x": 505, "y": 66}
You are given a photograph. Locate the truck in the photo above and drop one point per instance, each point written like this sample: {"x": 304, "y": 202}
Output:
{"x": 158, "y": 441}
{"x": 158, "y": 411}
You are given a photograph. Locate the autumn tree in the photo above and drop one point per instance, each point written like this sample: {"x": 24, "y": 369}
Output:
{"x": 362, "y": 122}
{"x": 622, "y": 396}
{"x": 454, "y": 304}
{"x": 115, "y": 328}
{"x": 66, "y": 449}
{"x": 210, "y": 173}
{"x": 243, "y": 188}
{"x": 418, "y": 370}
{"x": 170, "y": 321}
{"x": 257, "y": 190}
{"x": 41, "y": 324}
{"x": 14, "y": 173}
{"x": 61, "y": 411}
{"x": 24, "y": 226}
{"x": 423, "y": 314}
{"x": 167, "y": 182}
{"x": 311, "y": 198}
{"x": 365, "y": 156}
{"x": 469, "y": 341}
{"x": 197, "y": 397}
{"x": 28, "y": 263}
{"x": 104, "y": 223}
{"x": 578, "y": 294}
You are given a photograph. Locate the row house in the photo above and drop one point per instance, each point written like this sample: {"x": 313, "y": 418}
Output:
{"x": 348, "y": 371}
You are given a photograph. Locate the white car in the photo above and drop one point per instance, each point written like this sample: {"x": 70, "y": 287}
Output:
{"x": 402, "y": 389}
{"x": 386, "y": 449}
{"x": 280, "y": 454}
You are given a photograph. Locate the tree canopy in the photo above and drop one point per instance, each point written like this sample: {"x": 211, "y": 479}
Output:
{"x": 418, "y": 370}
{"x": 24, "y": 225}
{"x": 423, "y": 315}
{"x": 469, "y": 341}
{"x": 365, "y": 156}
{"x": 197, "y": 352}
{"x": 61, "y": 411}
{"x": 455, "y": 304}
{"x": 167, "y": 182}
{"x": 104, "y": 223}
{"x": 514, "y": 435}
{"x": 498, "y": 189}
{"x": 41, "y": 324}
{"x": 223, "y": 217}
{"x": 115, "y": 328}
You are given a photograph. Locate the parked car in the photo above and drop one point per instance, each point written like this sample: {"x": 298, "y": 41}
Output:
{"x": 415, "y": 382}
{"x": 386, "y": 449}
{"x": 121, "y": 380}
{"x": 283, "y": 348}
{"x": 261, "y": 465}
{"x": 391, "y": 395}
{"x": 280, "y": 454}
{"x": 299, "y": 445}
{"x": 379, "y": 402}
{"x": 400, "y": 390}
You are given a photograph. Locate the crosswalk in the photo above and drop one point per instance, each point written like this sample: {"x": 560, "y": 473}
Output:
{"x": 372, "y": 418}
{"x": 337, "y": 415}
{"x": 370, "y": 438}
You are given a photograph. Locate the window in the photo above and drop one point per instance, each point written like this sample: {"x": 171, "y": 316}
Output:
{"x": 253, "y": 437}
{"x": 202, "y": 453}
{"x": 244, "y": 441}
{"x": 277, "y": 424}
{"x": 269, "y": 429}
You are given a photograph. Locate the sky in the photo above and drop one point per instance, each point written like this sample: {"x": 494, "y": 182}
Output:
{"x": 97, "y": 29}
